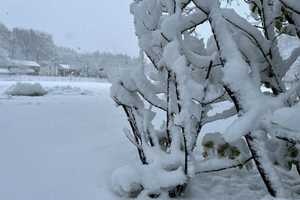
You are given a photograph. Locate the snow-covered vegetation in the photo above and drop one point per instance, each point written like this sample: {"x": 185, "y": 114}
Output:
{"x": 210, "y": 109}
{"x": 26, "y": 89}
{"x": 66, "y": 145}
{"x": 241, "y": 63}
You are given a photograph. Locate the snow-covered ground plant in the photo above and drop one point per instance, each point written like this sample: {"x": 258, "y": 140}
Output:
{"x": 241, "y": 63}
{"x": 26, "y": 89}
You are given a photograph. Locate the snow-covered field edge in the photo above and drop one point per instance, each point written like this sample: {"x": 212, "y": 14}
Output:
{"x": 49, "y": 78}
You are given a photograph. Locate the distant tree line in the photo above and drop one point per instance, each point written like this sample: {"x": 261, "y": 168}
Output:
{"x": 29, "y": 44}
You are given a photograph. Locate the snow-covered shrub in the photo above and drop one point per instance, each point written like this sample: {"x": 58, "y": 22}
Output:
{"x": 188, "y": 76}
{"x": 126, "y": 181}
{"x": 130, "y": 181}
{"x": 26, "y": 89}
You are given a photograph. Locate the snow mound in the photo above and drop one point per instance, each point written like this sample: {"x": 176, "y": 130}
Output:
{"x": 126, "y": 182}
{"x": 146, "y": 180}
{"x": 68, "y": 90}
{"x": 26, "y": 89}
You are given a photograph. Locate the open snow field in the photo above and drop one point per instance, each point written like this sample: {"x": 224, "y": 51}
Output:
{"x": 65, "y": 146}
{"x": 62, "y": 146}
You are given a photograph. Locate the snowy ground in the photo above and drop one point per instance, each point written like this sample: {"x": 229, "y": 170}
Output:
{"x": 62, "y": 146}
{"x": 65, "y": 145}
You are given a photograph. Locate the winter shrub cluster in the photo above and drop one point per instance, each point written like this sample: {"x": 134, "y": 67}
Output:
{"x": 26, "y": 89}
{"x": 240, "y": 63}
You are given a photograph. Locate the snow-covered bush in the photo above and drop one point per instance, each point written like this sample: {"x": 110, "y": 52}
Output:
{"x": 26, "y": 89}
{"x": 126, "y": 181}
{"x": 240, "y": 58}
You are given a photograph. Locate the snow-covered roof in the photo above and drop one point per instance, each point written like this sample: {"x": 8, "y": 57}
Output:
{"x": 22, "y": 70}
{"x": 65, "y": 66}
{"x": 4, "y": 71}
{"x": 24, "y": 63}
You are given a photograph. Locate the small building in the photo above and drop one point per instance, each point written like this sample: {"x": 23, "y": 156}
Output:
{"x": 4, "y": 71}
{"x": 48, "y": 68}
{"x": 52, "y": 69}
{"x": 21, "y": 67}
{"x": 67, "y": 70}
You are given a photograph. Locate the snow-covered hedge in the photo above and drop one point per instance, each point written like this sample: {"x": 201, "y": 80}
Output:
{"x": 26, "y": 89}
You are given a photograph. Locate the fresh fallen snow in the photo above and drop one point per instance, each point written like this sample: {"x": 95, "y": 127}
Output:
{"x": 288, "y": 118}
{"x": 60, "y": 147}
{"x": 65, "y": 146}
{"x": 68, "y": 90}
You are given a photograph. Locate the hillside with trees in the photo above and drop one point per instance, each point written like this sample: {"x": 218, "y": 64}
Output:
{"x": 38, "y": 46}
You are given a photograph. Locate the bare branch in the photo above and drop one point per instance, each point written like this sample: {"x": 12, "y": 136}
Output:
{"x": 238, "y": 165}
{"x": 286, "y": 4}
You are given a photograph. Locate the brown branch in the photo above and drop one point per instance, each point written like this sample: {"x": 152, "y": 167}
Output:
{"x": 137, "y": 136}
{"x": 239, "y": 165}
{"x": 182, "y": 128}
{"x": 250, "y": 141}
{"x": 289, "y": 7}
{"x": 289, "y": 140}
{"x": 168, "y": 111}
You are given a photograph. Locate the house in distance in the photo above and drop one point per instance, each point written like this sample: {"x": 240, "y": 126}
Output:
{"x": 22, "y": 67}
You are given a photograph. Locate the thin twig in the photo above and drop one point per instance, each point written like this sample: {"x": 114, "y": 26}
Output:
{"x": 240, "y": 165}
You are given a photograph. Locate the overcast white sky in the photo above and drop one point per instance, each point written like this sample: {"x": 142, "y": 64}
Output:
{"x": 88, "y": 25}
{"x": 104, "y": 25}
